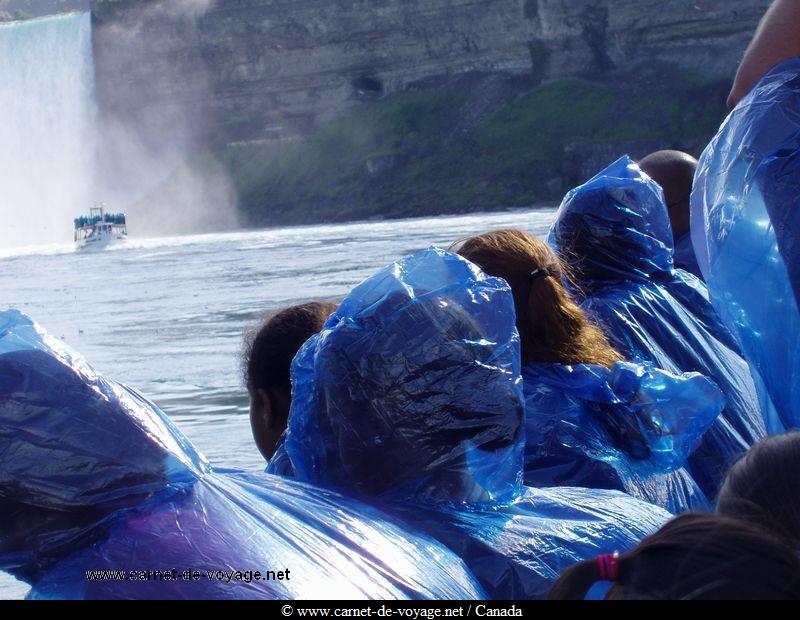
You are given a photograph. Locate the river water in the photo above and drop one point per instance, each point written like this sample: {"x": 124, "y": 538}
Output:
{"x": 167, "y": 316}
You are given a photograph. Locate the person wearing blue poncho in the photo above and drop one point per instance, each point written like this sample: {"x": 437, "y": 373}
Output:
{"x": 95, "y": 478}
{"x": 268, "y": 355}
{"x": 411, "y": 395}
{"x": 674, "y": 172}
{"x": 591, "y": 419}
{"x": 746, "y": 221}
{"x": 614, "y": 233}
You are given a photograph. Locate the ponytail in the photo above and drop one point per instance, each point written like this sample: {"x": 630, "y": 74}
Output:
{"x": 694, "y": 556}
{"x": 552, "y": 327}
{"x": 575, "y": 582}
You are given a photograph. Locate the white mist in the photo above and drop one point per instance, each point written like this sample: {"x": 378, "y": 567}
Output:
{"x": 47, "y": 138}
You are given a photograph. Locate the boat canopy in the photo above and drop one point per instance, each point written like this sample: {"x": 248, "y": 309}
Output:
{"x": 106, "y": 218}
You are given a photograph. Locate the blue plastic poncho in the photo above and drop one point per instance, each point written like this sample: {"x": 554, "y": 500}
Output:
{"x": 684, "y": 256}
{"x": 746, "y": 226}
{"x": 95, "y": 478}
{"x": 631, "y": 427}
{"x": 280, "y": 464}
{"x": 615, "y": 233}
{"x": 412, "y": 394}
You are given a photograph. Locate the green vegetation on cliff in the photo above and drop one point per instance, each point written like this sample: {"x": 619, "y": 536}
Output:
{"x": 429, "y": 151}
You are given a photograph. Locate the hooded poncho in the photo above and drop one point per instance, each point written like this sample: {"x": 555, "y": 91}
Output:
{"x": 746, "y": 226}
{"x": 95, "y": 478}
{"x": 614, "y": 231}
{"x": 411, "y": 394}
{"x": 631, "y": 427}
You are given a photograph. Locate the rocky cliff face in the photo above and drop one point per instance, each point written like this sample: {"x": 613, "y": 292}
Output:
{"x": 580, "y": 36}
{"x": 315, "y": 110}
{"x": 248, "y": 69}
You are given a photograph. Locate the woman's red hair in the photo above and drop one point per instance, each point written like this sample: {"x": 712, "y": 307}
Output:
{"x": 551, "y": 326}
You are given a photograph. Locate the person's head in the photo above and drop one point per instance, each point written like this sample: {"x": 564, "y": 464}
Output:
{"x": 268, "y": 358}
{"x": 614, "y": 228}
{"x": 413, "y": 388}
{"x": 74, "y": 449}
{"x": 695, "y": 557}
{"x": 551, "y": 326}
{"x": 764, "y": 487}
{"x": 674, "y": 172}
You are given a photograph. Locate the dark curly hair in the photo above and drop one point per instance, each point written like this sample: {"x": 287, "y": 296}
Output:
{"x": 270, "y": 349}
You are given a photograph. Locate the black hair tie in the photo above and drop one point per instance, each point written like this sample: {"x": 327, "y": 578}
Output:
{"x": 538, "y": 273}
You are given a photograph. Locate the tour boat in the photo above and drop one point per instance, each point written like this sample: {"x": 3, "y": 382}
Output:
{"x": 100, "y": 229}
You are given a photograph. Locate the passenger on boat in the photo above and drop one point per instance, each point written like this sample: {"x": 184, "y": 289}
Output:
{"x": 101, "y": 496}
{"x": 592, "y": 419}
{"x": 764, "y": 487}
{"x": 268, "y": 355}
{"x": 693, "y": 557}
{"x": 777, "y": 39}
{"x": 746, "y": 223}
{"x": 614, "y": 232}
{"x": 412, "y": 395}
{"x": 674, "y": 172}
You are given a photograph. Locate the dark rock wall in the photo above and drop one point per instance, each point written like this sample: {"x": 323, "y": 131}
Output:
{"x": 245, "y": 69}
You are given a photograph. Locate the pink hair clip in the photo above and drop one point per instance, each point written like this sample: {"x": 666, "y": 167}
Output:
{"x": 608, "y": 565}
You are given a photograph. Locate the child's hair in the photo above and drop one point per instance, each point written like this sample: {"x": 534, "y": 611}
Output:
{"x": 764, "y": 487}
{"x": 551, "y": 326}
{"x": 270, "y": 350}
{"x": 695, "y": 557}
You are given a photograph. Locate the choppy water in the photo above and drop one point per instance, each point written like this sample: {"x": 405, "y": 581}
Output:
{"x": 167, "y": 316}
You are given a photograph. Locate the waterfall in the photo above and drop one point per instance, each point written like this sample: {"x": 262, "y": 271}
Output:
{"x": 47, "y": 145}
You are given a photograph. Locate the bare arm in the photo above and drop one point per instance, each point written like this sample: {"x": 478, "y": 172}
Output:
{"x": 777, "y": 38}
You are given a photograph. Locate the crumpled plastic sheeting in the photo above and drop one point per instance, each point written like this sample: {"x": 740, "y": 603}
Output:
{"x": 280, "y": 464}
{"x": 615, "y": 232}
{"x": 93, "y": 477}
{"x": 631, "y": 427}
{"x": 412, "y": 393}
{"x": 684, "y": 256}
{"x": 615, "y": 227}
{"x": 745, "y": 230}
{"x": 518, "y": 549}
{"x": 387, "y": 400}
